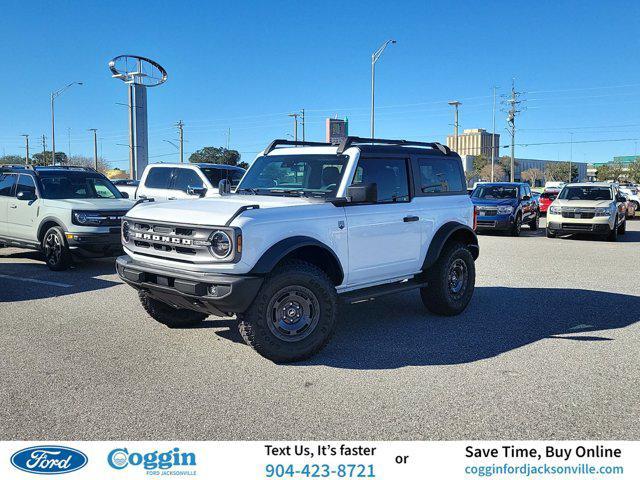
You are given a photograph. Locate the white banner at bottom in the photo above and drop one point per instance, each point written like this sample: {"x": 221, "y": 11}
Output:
{"x": 293, "y": 460}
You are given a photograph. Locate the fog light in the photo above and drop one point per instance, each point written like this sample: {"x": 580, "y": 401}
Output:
{"x": 218, "y": 291}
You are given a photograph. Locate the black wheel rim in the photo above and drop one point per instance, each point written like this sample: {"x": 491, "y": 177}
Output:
{"x": 52, "y": 249}
{"x": 294, "y": 313}
{"x": 457, "y": 278}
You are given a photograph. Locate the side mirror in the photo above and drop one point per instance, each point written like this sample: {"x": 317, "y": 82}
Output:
{"x": 224, "y": 187}
{"x": 621, "y": 198}
{"x": 26, "y": 195}
{"x": 201, "y": 191}
{"x": 124, "y": 194}
{"x": 526, "y": 197}
{"x": 366, "y": 193}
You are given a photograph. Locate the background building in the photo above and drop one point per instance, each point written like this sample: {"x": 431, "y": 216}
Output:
{"x": 336, "y": 129}
{"x": 475, "y": 141}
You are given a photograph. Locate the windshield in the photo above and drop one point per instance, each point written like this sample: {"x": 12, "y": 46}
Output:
{"x": 495, "y": 192}
{"x": 68, "y": 185}
{"x": 585, "y": 193}
{"x": 308, "y": 175}
{"x": 550, "y": 195}
{"x": 214, "y": 175}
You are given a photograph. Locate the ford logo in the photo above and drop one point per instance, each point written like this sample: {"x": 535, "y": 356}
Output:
{"x": 49, "y": 460}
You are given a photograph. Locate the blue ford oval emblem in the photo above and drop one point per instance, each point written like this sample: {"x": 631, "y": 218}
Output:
{"x": 49, "y": 459}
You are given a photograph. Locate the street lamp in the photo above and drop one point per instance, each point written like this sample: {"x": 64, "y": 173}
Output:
{"x": 455, "y": 104}
{"x": 374, "y": 58}
{"x": 55, "y": 95}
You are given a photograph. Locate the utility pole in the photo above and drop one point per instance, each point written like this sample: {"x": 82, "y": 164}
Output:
{"x": 69, "y": 139}
{"x": 455, "y": 104}
{"x": 295, "y": 125}
{"x": 570, "y": 156}
{"x": 493, "y": 135}
{"x": 95, "y": 147}
{"x": 513, "y": 101}
{"x": 26, "y": 138}
{"x": 303, "y": 125}
{"x": 44, "y": 146}
{"x": 180, "y": 126}
{"x": 228, "y": 137}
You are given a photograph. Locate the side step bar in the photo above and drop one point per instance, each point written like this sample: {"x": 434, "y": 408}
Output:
{"x": 370, "y": 293}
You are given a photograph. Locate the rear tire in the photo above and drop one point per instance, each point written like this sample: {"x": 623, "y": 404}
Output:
{"x": 293, "y": 315}
{"x": 169, "y": 316}
{"x": 56, "y": 250}
{"x": 451, "y": 281}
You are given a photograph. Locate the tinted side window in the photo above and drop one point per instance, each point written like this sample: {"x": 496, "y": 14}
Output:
{"x": 7, "y": 181}
{"x": 25, "y": 184}
{"x": 440, "y": 175}
{"x": 158, "y": 177}
{"x": 390, "y": 175}
{"x": 186, "y": 178}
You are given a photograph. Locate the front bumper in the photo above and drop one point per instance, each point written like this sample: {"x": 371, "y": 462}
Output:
{"x": 180, "y": 289}
{"x": 495, "y": 222}
{"x": 94, "y": 245}
{"x": 597, "y": 225}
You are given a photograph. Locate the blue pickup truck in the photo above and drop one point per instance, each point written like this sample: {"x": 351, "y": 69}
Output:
{"x": 505, "y": 206}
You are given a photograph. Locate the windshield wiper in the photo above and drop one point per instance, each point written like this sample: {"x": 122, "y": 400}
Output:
{"x": 297, "y": 192}
{"x": 252, "y": 191}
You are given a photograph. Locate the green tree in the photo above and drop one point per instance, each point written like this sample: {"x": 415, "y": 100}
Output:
{"x": 45, "y": 158}
{"x": 11, "y": 159}
{"x": 634, "y": 170}
{"x": 603, "y": 173}
{"x": 219, "y": 155}
{"x": 83, "y": 161}
{"x": 532, "y": 175}
{"x": 559, "y": 171}
{"x": 505, "y": 162}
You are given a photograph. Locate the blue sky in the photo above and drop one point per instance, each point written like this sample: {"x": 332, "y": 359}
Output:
{"x": 245, "y": 65}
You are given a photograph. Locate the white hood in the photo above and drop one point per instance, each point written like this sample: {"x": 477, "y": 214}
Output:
{"x": 582, "y": 203}
{"x": 92, "y": 203}
{"x": 210, "y": 211}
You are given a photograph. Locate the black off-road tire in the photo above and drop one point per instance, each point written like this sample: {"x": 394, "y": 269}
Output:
{"x": 550, "y": 234}
{"x": 535, "y": 224}
{"x": 55, "y": 250}
{"x": 516, "y": 228}
{"x": 622, "y": 228}
{"x": 259, "y": 327}
{"x": 613, "y": 234}
{"x": 438, "y": 296}
{"x": 169, "y": 316}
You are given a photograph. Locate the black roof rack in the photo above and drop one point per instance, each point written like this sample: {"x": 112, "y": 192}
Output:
{"x": 351, "y": 141}
{"x": 68, "y": 167}
{"x": 279, "y": 142}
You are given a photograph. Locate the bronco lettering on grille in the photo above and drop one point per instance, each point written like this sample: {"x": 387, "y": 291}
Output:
{"x": 163, "y": 238}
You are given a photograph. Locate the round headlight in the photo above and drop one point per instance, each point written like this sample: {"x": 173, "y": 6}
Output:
{"x": 125, "y": 231}
{"x": 220, "y": 244}
{"x": 81, "y": 217}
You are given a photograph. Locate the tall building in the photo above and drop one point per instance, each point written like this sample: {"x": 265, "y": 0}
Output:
{"x": 475, "y": 141}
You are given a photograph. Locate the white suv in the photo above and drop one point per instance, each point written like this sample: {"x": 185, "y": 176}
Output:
{"x": 308, "y": 225}
{"x": 62, "y": 211}
{"x": 591, "y": 208}
{"x": 177, "y": 181}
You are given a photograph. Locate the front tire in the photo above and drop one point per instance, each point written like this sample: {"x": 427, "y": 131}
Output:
{"x": 535, "y": 224}
{"x": 550, "y": 234}
{"x": 293, "y": 315}
{"x": 622, "y": 228}
{"x": 517, "y": 226}
{"x": 613, "y": 234}
{"x": 56, "y": 250}
{"x": 451, "y": 281}
{"x": 169, "y": 316}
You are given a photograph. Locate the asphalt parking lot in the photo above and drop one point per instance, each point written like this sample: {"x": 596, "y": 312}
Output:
{"x": 549, "y": 348}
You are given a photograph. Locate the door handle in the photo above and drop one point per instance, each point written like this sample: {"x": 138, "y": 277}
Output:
{"x": 171, "y": 198}
{"x": 13, "y": 206}
{"x": 411, "y": 219}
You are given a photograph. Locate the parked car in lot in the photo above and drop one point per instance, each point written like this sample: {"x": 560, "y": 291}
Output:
{"x": 632, "y": 192}
{"x": 177, "y": 181}
{"x": 127, "y": 186}
{"x": 505, "y": 206}
{"x": 546, "y": 199}
{"x": 309, "y": 223}
{"x": 590, "y": 208}
{"x": 62, "y": 211}
{"x": 630, "y": 208}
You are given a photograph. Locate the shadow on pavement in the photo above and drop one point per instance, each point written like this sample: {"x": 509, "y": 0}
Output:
{"x": 21, "y": 281}
{"x": 397, "y": 331}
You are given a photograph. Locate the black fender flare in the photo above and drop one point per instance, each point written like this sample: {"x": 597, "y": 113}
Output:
{"x": 281, "y": 249}
{"x": 444, "y": 233}
{"x": 47, "y": 219}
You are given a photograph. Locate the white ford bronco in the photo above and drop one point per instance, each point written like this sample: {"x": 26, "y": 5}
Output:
{"x": 309, "y": 224}
{"x": 63, "y": 211}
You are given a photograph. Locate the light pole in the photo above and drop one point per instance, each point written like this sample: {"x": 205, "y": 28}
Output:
{"x": 493, "y": 135}
{"x": 374, "y": 58}
{"x": 26, "y": 138}
{"x": 295, "y": 126}
{"x": 55, "y": 95}
{"x": 570, "y": 157}
{"x": 95, "y": 147}
{"x": 455, "y": 104}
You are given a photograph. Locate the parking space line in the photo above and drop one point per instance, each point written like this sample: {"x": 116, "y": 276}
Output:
{"x": 33, "y": 280}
